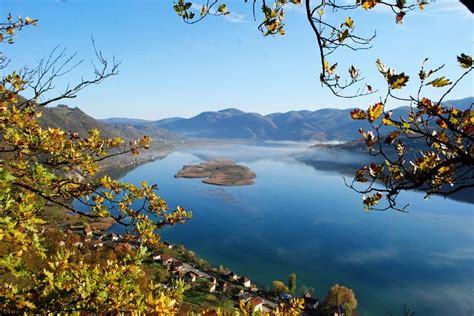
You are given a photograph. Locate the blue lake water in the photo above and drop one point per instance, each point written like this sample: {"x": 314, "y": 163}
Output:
{"x": 296, "y": 218}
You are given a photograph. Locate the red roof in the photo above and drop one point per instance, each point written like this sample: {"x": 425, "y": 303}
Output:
{"x": 177, "y": 263}
{"x": 165, "y": 257}
{"x": 256, "y": 301}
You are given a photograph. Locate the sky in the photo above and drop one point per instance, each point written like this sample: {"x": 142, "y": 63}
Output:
{"x": 172, "y": 69}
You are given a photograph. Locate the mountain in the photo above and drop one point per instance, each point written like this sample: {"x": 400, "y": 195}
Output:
{"x": 321, "y": 125}
{"x": 74, "y": 119}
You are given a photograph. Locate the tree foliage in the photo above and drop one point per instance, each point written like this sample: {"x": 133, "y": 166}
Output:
{"x": 48, "y": 165}
{"x": 279, "y": 287}
{"x": 292, "y": 283}
{"x": 441, "y": 158}
{"x": 341, "y": 295}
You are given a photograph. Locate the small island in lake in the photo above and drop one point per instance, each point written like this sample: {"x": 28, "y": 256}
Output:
{"x": 219, "y": 172}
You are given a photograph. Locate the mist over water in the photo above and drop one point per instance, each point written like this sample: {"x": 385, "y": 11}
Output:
{"x": 296, "y": 218}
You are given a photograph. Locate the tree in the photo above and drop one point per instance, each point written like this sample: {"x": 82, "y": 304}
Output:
{"x": 441, "y": 136}
{"x": 447, "y": 158}
{"x": 341, "y": 295}
{"x": 292, "y": 282}
{"x": 279, "y": 287}
{"x": 50, "y": 166}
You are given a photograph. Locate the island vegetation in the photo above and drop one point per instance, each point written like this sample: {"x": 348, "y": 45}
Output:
{"x": 219, "y": 172}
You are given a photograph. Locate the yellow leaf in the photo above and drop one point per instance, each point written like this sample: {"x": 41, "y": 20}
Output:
{"x": 398, "y": 81}
{"x": 439, "y": 82}
{"x": 358, "y": 114}
{"x": 369, "y": 4}
{"x": 375, "y": 111}
{"x": 349, "y": 22}
{"x": 10, "y": 30}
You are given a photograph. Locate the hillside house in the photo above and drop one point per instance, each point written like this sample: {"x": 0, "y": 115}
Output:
{"x": 190, "y": 276}
{"x": 222, "y": 286}
{"x": 176, "y": 266}
{"x": 311, "y": 304}
{"x": 232, "y": 276}
{"x": 337, "y": 310}
{"x": 245, "y": 282}
{"x": 257, "y": 304}
{"x": 166, "y": 259}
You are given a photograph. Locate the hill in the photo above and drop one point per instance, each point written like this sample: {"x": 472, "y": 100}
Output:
{"x": 74, "y": 119}
{"x": 320, "y": 125}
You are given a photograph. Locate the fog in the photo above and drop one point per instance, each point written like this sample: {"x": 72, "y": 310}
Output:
{"x": 279, "y": 150}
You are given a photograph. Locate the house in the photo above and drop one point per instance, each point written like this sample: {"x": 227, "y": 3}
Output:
{"x": 307, "y": 293}
{"x": 157, "y": 257}
{"x": 212, "y": 287}
{"x": 176, "y": 266}
{"x": 337, "y": 310}
{"x": 78, "y": 244}
{"x": 257, "y": 304}
{"x": 285, "y": 297}
{"x": 232, "y": 276}
{"x": 167, "y": 244}
{"x": 244, "y": 281}
{"x": 166, "y": 259}
{"x": 190, "y": 276}
{"x": 87, "y": 231}
{"x": 311, "y": 304}
{"x": 97, "y": 244}
{"x": 222, "y": 286}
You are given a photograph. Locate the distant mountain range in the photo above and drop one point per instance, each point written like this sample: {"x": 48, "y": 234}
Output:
{"x": 320, "y": 125}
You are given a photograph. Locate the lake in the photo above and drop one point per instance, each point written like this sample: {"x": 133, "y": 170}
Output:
{"x": 296, "y": 218}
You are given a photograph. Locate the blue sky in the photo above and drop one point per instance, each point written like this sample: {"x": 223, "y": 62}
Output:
{"x": 173, "y": 69}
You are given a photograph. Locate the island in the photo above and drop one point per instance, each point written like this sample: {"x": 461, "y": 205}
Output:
{"x": 219, "y": 172}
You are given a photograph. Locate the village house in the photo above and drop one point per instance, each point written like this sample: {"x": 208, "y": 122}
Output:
{"x": 212, "y": 287}
{"x": 157, "y": 257}
{"x": 311, "y": 304}
{"x": 97, "y": 244}
{"x": 176, "y": 266}
{"x": 222, "y": 286}
{"x": 87, "y": 231}
{"x": 257, "y": 304}
{"x": 232, "y": 276}
{"x": 337, "y": 310}
{"x": 245, "y": 282}
{"x": 78, "y": 244}
{"x": 166, "y": 259}
{"x": 190, "y": 276}
{"x": 167, "y": 244}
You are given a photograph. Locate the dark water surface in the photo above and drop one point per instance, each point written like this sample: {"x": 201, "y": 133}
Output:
{"x": 299, "y": 219}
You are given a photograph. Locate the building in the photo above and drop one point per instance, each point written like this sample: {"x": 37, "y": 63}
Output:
{"x": 244, "y": 281}
{"x": 257, "y": 304}
{"x": 176, "y": 266}
{"x": 232, "y": 276}
{"x": 190, "y": 276}
{"x": 222, "y": 286}
{"x": 87, "y": 231}
{"x": 311, "y": 304}
{"x": 212, "y": 287}
{"x": 157, "y": 257}
{"x": 166, "y": 259}
{"x": 337, "y": 310}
